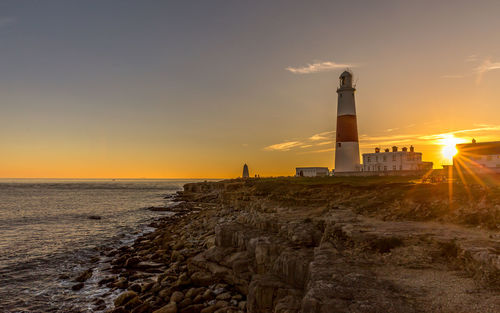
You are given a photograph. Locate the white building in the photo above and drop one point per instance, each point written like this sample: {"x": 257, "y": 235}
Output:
{"x": 483, "y": 158}
{"x": 394, "y": 160}
{"x": 311, "y": 171}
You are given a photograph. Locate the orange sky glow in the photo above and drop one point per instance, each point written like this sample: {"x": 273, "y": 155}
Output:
{"x": 196, "y": 91}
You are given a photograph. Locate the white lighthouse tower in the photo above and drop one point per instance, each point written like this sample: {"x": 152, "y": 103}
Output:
{"x": 347, "y": 144}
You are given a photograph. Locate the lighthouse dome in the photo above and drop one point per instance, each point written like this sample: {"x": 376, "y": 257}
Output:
{"x": 345, "y": 79}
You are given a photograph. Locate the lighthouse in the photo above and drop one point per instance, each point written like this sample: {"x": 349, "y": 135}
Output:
{"x": 347, "y": 144}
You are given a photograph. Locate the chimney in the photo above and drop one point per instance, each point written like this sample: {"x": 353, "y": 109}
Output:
{"x": 412, "y": 149}
{"x": 387, "y": 150}
{"x": 377, "y": 150}
{"x": 405, "y": 149}
{"x": 394, "y": 149}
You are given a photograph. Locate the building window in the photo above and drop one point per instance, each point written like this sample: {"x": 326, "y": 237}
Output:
{"x": 401, "y": 167}
{"x": 385, "y": 168}
{"x": 378, "y": 168}
{"x": 394, "y": 167}
{"x": 488, "y": 158}
{"x": 394, "y": 157}
{"x": 385, "y": 158}
{"x": 368, "y": 160}
{"x": 339, "y": 144}
{"x": 376, "y": 158}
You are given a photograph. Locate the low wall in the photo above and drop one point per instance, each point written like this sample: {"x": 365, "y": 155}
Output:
{"x": 382, "y": 173}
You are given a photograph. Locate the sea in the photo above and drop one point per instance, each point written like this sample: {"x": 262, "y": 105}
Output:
{"x": 52, "y": 229}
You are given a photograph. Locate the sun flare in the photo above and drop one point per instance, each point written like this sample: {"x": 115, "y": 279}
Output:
{"x": 449, "y": 149}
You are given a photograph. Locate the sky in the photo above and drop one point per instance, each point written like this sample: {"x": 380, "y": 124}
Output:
{"x": 195, "y": 89}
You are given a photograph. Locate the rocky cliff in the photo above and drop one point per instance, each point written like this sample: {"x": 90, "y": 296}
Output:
{"x": 288, "y": 245}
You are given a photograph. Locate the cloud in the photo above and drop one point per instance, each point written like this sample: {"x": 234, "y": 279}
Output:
{"x": 319, "y": 151}
{"x": 316, "y": 140}
{"x": 483, "y": 132}
{"x": 324, "y": 143}
{"x": 487, "y": 66}
{"x": 484, "y": 67}
{"x": 6, "y": 20}
{"x": 322, "y": 136}
{"x": 317, "y": 67}
{"x": 284, "y": 146}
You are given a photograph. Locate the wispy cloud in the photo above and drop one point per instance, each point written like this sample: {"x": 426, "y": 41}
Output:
{"x": 317, "y": 67}
{"x": 324, "y": 143}
{"x": 316, "y": 140}
{"x": 6, "y": 20}
{"x": 318, "y": 151}
{"x": 322, "y": 136}
{"x": 314, "y": 145}
{"x": 487, "y": 66}
{"x": 283, "y": 146}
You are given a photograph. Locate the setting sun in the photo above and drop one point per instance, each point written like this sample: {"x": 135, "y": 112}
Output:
{"x": 449, "y": 149}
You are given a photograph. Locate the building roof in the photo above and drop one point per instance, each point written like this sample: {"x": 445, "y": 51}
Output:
{"x": 482, "y": 148}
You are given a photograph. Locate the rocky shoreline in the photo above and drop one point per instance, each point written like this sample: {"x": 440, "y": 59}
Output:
{"x": 281, "y": 246}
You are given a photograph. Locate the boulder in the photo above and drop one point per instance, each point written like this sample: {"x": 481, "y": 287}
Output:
{"x": 177, "y": 296}
{"x": 133, "y": 303}
{"x": 84, "y": 276}
{"x": 143, "y": 308}
{"x": 124, "y": 297}
{"x": 210, "y": 309}
{"x": 202, "y": 279}
{"x": 132, "y": 262}
{"x": 224, "y": 296}
{"x": 169, "y": 308}
{"x": 194, "y": 308}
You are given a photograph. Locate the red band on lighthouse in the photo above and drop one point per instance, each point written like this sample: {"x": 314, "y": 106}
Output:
{"x": 347, "y": 129}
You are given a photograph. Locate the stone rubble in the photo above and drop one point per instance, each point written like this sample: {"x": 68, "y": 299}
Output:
{"x": 232, "y": 247}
